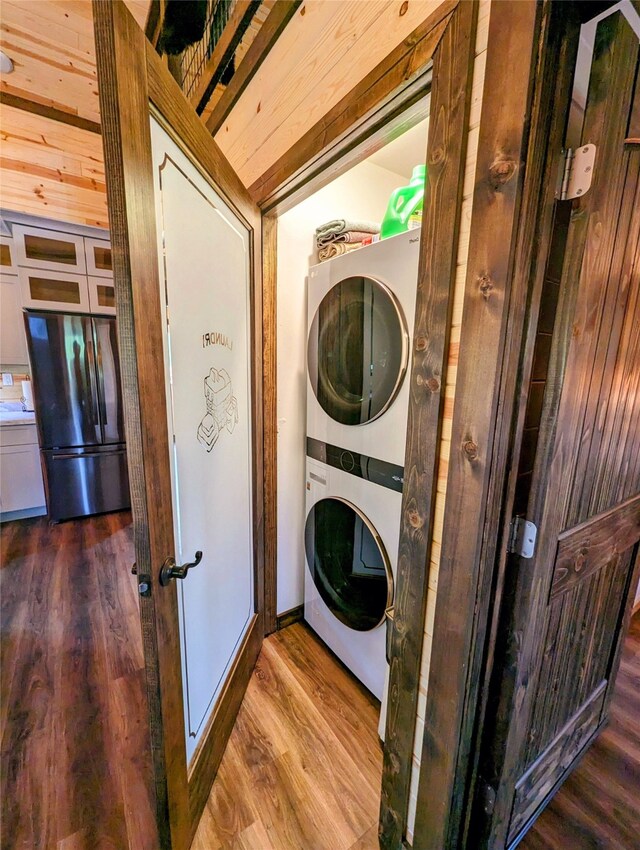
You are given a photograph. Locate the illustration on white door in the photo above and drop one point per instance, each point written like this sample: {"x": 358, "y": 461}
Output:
{"x": 222, "y": 408}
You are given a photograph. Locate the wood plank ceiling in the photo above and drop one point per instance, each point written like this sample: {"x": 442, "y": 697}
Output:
{"x": 325, "y": 50}
{"x": 49, "y": 168}
{"x": 57, "y": 171}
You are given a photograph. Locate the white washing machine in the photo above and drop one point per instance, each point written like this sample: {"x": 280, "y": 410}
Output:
{"x": 360, "y": 318}
{"x": 351, "y": 545}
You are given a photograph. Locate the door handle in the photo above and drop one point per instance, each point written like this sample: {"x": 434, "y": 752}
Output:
{"x": 171, "y": 570}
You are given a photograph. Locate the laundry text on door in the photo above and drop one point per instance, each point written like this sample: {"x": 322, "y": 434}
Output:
{"x": 217, "y": 338}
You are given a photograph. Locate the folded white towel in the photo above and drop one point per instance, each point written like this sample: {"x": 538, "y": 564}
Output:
{"x": 341, "y": 225}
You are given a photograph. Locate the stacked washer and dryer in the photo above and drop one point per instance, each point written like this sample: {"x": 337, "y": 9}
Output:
{"x": 360, "y": 322}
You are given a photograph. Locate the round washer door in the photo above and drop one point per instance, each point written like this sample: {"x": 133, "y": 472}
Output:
{"x": 357, "y": 351}
{"x": 348, "y": 563}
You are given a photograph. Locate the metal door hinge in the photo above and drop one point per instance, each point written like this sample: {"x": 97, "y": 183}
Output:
{"x": 522, "y": 537}
{"x": 486, "y": 797}
{"x": 576, "y": 172}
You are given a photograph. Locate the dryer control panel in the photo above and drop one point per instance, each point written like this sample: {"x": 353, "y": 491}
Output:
{"x": 370, "y": 468}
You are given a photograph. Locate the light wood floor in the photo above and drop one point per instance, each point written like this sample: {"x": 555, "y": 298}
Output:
{"x": 303, "y": 766}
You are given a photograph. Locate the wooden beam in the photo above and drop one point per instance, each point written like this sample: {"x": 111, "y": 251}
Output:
{"x": 153, "y": 26}
{"x": 50, "y": 112}
{"x": 446, "y": 155}
{"x": 240, "y": 18}
{"x": 268, "y": 34}
{"x": 270, "y": 439}
{"x": 400, "y": 66}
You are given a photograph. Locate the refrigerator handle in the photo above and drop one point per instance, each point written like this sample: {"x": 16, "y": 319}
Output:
{"x": 101, "y": 398}
{"x": 96, "y": 362}
{"x": 58, "y": 455}
{"x": 92, "y": 363}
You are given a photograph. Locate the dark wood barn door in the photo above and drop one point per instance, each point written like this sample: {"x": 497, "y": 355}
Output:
{"x": 565, "y": 609}
{"x": 188, "y": 277}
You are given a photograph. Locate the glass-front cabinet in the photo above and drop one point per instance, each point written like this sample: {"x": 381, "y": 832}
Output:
{"x": 54, "y": 290}
{"x": 102, "y": 296}
{"x": 98, "y": 256}
{"x": 38, "y": 248}
{"x": 58, "y": 270}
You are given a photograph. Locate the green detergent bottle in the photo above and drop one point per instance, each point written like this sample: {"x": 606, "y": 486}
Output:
{"x": 405, "y": 205}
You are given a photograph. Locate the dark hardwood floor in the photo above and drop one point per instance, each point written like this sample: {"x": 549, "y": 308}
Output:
{"x": 598, "y": 807}
{"x": 75, "y": 768}
{"x": 303, "y": 765}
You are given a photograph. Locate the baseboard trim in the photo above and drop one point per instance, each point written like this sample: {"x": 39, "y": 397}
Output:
{"x": 288, "y": 618}
{"x": 25, "y": 513}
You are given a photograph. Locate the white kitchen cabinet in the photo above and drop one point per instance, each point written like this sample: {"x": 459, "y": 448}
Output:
{"x": 13, "y": 341}
{"x": 38, "y": 248}
{"x": 98, "y": 257}
{"x": 21, "y": 484}
{"x": 53, "y": 290}
{"x": 102, "y": 296}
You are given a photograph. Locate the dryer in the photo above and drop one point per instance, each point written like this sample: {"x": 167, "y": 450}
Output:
{"x": 353, "y": 506}
{"x": 360, "y": 320}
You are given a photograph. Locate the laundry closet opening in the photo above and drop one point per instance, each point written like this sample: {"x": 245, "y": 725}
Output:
{"x": 346, "y": 297}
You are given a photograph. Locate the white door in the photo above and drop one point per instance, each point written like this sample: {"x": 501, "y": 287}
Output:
{"x": 204, "y": 258}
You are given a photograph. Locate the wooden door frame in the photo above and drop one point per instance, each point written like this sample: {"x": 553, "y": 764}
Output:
{"x": 351, "y": 131}
{"x": 512, "y": 219}
{"x": 132, "y": 77}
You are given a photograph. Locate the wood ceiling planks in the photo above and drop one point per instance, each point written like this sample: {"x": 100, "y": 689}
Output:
{"x": 51, "y": 45}
{"x": 49, "y": 168}
{"x": 324, "y": 51}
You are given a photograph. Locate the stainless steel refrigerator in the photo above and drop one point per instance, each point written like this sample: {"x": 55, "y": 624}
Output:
{"x": 75, "y": 371}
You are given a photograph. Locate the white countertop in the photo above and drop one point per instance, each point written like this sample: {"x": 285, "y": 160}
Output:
{"x": 11, "y": 413}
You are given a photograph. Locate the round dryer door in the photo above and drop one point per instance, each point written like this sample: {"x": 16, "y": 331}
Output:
{"x": 357, "y": 351}
{"x": 349, "y": 564}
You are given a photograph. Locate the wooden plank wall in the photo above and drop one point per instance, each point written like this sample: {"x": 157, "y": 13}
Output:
{"x": 445, "y": 446}
{"x": 325, "y": 50}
